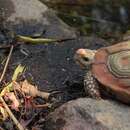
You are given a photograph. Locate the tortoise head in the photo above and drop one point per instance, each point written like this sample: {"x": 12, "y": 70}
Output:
{"x": 84, "y": 57}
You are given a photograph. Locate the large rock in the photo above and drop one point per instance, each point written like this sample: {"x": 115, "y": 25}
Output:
{"x": 31, "y": 16}
{"x": 89, "y": 114}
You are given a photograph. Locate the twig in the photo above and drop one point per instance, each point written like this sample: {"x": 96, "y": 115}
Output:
{"x": 6, "y": 64}
{"x": 20, "y": 127}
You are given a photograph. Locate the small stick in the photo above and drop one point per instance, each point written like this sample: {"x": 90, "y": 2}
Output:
{"x": 6, "y": 64}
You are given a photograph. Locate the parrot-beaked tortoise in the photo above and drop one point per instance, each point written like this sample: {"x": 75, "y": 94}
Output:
{"x": 110, "y": 66}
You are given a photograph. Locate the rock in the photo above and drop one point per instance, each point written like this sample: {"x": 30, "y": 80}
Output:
{"x": 89, "y": 114}
{"x": 32, "y": 17}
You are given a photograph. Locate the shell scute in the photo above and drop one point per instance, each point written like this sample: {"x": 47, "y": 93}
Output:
{"x": 111, "y": 67}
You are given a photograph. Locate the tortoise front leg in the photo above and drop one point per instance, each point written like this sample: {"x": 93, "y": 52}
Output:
{"x": 91, "y": 86}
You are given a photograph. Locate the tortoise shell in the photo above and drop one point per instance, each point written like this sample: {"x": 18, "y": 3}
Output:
{"x": 111, "y": 67}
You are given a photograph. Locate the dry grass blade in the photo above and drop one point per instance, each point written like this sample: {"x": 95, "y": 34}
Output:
{"x": 20, "y": 69}
{"x": 6, "y": 64}
{"x": 39, "y": 40}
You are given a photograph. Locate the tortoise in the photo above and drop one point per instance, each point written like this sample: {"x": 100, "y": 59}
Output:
{"x": 108, "y": 71}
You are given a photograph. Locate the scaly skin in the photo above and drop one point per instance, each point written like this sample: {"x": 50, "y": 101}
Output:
{"x": 84, "y": 57}
{"x": 91, "y": 86}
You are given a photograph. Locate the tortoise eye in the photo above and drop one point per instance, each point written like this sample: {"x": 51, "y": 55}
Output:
{"x": 85, "y": 58}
